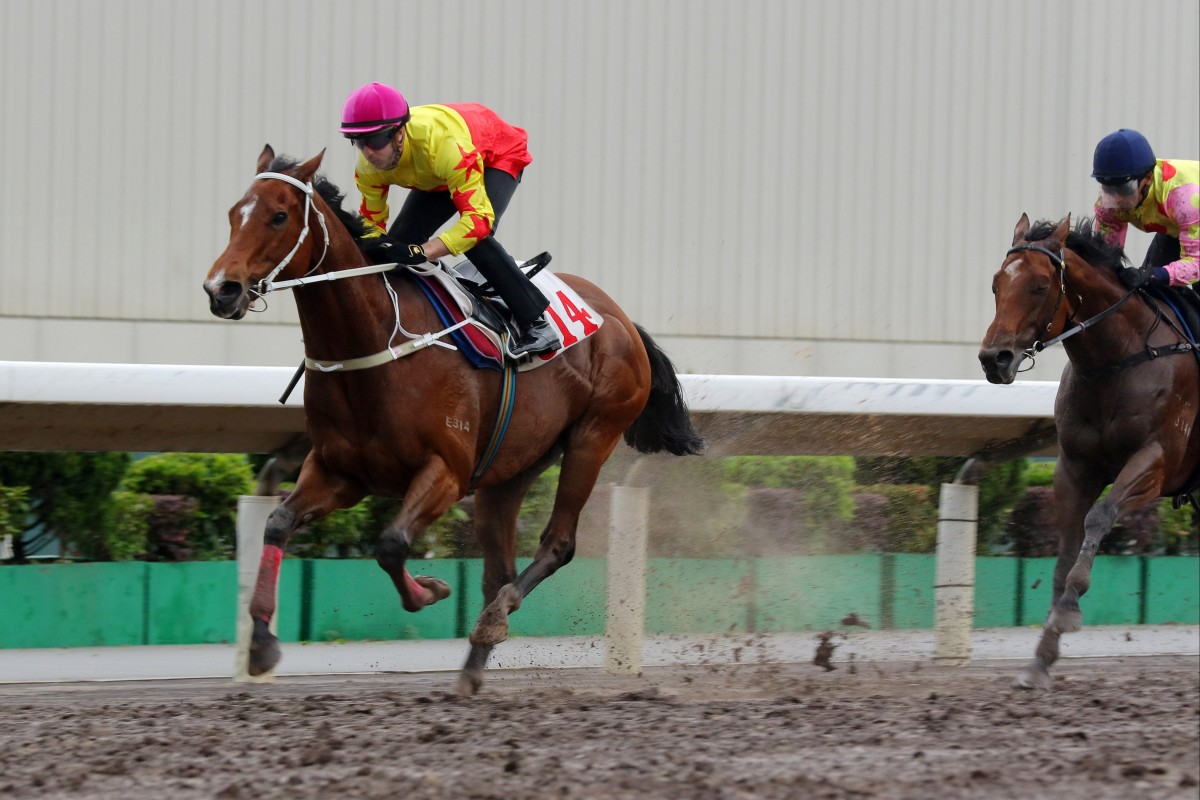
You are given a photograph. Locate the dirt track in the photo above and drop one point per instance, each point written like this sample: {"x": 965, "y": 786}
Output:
{"x": 1111, "y": 729}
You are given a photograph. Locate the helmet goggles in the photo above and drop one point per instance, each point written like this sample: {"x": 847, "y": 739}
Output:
{"x": 376, "y": 141}
{"x": 1120, "y": 193}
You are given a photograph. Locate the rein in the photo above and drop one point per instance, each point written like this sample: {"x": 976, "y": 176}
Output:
{"x": 416, "y": 341}
{"x": 268, "y": 284}
{"x": 1147, "y": 354}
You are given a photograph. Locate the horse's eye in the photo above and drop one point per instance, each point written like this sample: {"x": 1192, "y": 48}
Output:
{"x": 279, "y": 218}
{"x": 1040, "y": 288}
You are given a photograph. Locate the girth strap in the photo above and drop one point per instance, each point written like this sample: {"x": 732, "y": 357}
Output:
{"x": 508, "y": 398}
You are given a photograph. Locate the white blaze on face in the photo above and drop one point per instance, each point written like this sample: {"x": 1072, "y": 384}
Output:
{"x": 1012, "y": 269}
{"x": 247, "y": 209}
{"x": 215, "y": 282}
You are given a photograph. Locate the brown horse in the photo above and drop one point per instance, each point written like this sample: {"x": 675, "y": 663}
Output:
{"x": 415, "y": 427}
{"x": 1125, "y": 413}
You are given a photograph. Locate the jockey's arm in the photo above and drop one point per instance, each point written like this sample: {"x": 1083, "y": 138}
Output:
{"x": 435, "y": 249}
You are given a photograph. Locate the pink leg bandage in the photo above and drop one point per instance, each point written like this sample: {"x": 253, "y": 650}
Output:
{"x": 262, "y": 605}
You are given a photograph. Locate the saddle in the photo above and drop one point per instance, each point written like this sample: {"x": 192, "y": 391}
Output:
{"x": 465, "y": 301}
{"x": 490, "y": 308}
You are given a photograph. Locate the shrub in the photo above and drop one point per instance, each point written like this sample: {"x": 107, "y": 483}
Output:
{"x": 68, "y": 496}
{"x": 909, "y": 516}
{"x": 341, "y": 531}
{"x": 1039, "y": 473}
{"x": 1178, "y": 529}
{"x": 999, "y": 488}
{"x": 14, "y": 508}
{"x": 214, "y": 480}
{"x": 825, "y": 482}
{"x": 127, "y": 527}
{"x": 1033, "y": 527}
{"x": 174, "y": 529}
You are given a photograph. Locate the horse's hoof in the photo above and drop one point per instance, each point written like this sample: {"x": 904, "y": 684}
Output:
{"x": 1065, "y": 620}
{"x": 438, "y": 587}
{"x": 492, "y": 627}
{"x": 264, "y": 654}
{"x": 468, "y": 683}
{"x": 1035, "y": 676}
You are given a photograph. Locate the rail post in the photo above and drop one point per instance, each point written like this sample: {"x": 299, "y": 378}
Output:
{"x": 954, "y": 586}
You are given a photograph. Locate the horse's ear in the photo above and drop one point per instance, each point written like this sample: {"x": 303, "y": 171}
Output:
{"x": 306, "y": 170}
{"x": 1021, "y": 229}
{"x": 265, "y": 158}
{"x": 1064, "y": 227}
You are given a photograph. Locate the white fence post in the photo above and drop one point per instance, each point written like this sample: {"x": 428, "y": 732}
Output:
{"x": 954, "y": 586}
{"x": 252, "y": 513}
{"x": 627, "y": 579}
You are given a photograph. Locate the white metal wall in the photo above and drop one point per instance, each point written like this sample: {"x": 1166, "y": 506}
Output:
{"x": 800, "y": 174}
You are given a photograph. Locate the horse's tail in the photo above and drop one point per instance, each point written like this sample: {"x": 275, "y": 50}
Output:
{"x": 664, "y": 423}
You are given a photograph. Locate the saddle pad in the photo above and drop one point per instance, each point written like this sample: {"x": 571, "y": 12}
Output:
{"x": 568, "y": 312}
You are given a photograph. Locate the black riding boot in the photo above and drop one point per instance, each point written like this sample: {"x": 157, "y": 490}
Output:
{"x": 526, "y": 301}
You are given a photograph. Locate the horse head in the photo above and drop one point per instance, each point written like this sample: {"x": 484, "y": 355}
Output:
{"x": 1031, "y": 300}
{"x": 269, "y": 232}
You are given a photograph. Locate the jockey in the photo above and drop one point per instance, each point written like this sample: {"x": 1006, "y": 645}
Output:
{"x": 459, "y": 158}
{"x": 1154, "y": 195}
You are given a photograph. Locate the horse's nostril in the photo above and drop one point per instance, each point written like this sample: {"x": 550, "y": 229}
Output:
{"x": 1004, "y": 358}
{"x": 229, "y": 291}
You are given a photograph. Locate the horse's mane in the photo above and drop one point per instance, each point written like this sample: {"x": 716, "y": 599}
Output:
{"x": 330, "y": 193}
{"x": 1090, "y": 246}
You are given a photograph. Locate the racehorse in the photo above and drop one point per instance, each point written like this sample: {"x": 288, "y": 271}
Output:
{"x": 1125, "y": 412}
{"x": 414, "y": 427}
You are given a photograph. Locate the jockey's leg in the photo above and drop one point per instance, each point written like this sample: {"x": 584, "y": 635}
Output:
{"x": 525, "y": 300}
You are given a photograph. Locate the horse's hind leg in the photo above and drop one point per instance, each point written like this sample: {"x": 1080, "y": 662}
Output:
{"x": 582, "y": 459}
{"x": 316, "y": 495}
{"x": 1138, "y": 484}
{"x": 496, "y": 510}
{"x": 429, "y": 495}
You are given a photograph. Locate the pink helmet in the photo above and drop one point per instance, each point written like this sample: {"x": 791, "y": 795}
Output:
{"x": 372, "y": 108}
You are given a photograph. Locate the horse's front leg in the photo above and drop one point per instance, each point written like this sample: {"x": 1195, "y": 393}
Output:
{"x": 429, "y": 495}
{"x": 317, "y": 494}
{"x": 1074, "y": 494}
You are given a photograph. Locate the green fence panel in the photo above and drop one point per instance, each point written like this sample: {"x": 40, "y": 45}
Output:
{"x": 996, "y": 592}
{"x": 356, "y": 600}
{"x": 291, "y": 603}
{"x": 72, "y": 605}
{"x": 1037, "y": 589}
{"x": 1173, "y": 590}
{"x": 1115, "y": 596}
{"x": 571, "y": 602}
{"x": 693, "y": 595}
{"x": 816, "y": 592}
{"x": 192, "y": 603}
{"x": 912, "y": 590}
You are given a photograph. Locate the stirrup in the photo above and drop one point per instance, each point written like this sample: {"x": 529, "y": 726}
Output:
{"x": 538, "y": 338}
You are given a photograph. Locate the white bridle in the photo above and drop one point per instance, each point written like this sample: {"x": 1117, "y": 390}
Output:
{"x": 266, "y": 285}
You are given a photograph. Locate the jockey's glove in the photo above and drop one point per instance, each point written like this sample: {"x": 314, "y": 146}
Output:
{"x": 1137, "y": 277}
{"x": 382, "y": 250}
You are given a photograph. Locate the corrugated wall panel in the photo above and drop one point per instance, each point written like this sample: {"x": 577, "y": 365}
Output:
{"x": 771, "y": 169}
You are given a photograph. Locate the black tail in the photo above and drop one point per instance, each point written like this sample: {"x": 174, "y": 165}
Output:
{"x": 664, "y": 423}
